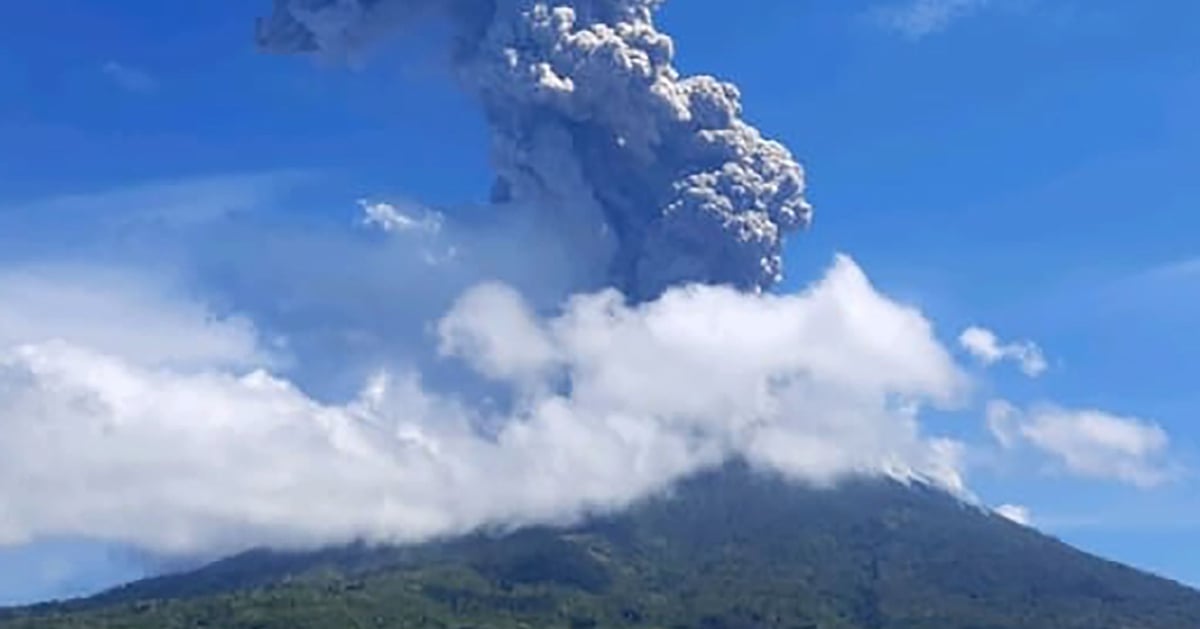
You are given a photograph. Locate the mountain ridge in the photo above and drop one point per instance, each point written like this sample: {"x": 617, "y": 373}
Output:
{"x": 730, "y": 548}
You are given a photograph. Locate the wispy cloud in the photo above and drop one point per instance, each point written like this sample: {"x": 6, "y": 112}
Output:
{"x": 120, "y": 310}
{"x": 1088, "y": 443}
{"x": 1017, "y": 513}
{"x": 1157, "y": 520}
{"x": 916, "y": 19}
{"x": 392, "y": 218}
{"x": 1188, "y": 269}
{"x": 130, "y": 78}
{"x": 1155, "y": 300}
{"x": 986, "y": 347}
{"x": 182, "y": 201}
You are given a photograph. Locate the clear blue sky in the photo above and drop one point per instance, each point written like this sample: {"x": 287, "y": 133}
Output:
{"x": 1028, "y": 165}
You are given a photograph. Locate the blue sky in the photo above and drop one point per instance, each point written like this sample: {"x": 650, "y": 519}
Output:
{"x": 1024, "y": 165}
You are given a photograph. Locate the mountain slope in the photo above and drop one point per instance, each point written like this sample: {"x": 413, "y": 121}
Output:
{"x": 728, "y": 549}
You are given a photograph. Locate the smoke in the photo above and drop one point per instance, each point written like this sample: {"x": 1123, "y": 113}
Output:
{"x": 650, "y": 173}
{"x": 231, "y": 411}
{"x": 504, "y": 395}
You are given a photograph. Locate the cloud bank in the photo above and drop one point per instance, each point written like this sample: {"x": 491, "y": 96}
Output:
{"x": 609, "y": 402}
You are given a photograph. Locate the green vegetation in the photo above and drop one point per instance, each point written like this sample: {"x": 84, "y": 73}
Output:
{"x": 728, "y": 550}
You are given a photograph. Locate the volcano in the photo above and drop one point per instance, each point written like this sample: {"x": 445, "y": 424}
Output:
{"x": 731, "y": 548}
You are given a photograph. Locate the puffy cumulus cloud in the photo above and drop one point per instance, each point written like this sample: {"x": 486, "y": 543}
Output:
{"x": 612, "y": 402}
{"x": 1088, "y": 443}
{"x": 1016, "y": 513}
{"x": 917, "y": 19}
{"x": 986, "y": 347}
{"x": 127, "y": 313}
{"x": 651, "y": 173}
{"x": 493, "y": 327}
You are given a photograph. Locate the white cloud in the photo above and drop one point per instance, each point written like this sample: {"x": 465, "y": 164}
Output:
{"x": 130, "y": 78}
{"x": 1001, "y": 420}
{"x": 128, "y": 314}
{"x": 494, "y": 327}
{"x": 916, "y": 19}
{"x": 347, "y": 300}
{"x": 1088, "y": 443}
{"x": 1016, "y": 513}
{"x": 614, "y": 402}
{"x": 391, "y": 218}
{"x": 1100, "y": 445}
{"x": 424, "y": 224}
{"x": 188, "y": 201}
{"x": 986, "y": 347}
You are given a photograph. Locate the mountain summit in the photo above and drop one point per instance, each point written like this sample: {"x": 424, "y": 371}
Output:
{"x": 727, "y": 549}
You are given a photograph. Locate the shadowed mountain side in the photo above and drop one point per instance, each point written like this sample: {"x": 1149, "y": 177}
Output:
{"x": 727, "y": 549}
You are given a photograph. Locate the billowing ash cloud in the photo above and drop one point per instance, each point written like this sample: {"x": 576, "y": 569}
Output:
{"x": 656, "y": 172}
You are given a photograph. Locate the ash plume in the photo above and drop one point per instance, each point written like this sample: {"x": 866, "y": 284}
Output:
{"x": 654, "y": 174}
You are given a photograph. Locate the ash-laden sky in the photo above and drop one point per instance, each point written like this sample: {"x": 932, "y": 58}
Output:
{"x": 661, "y": 353}
{"x": 656, "y": 174}
{"x": 201, "y": 365}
